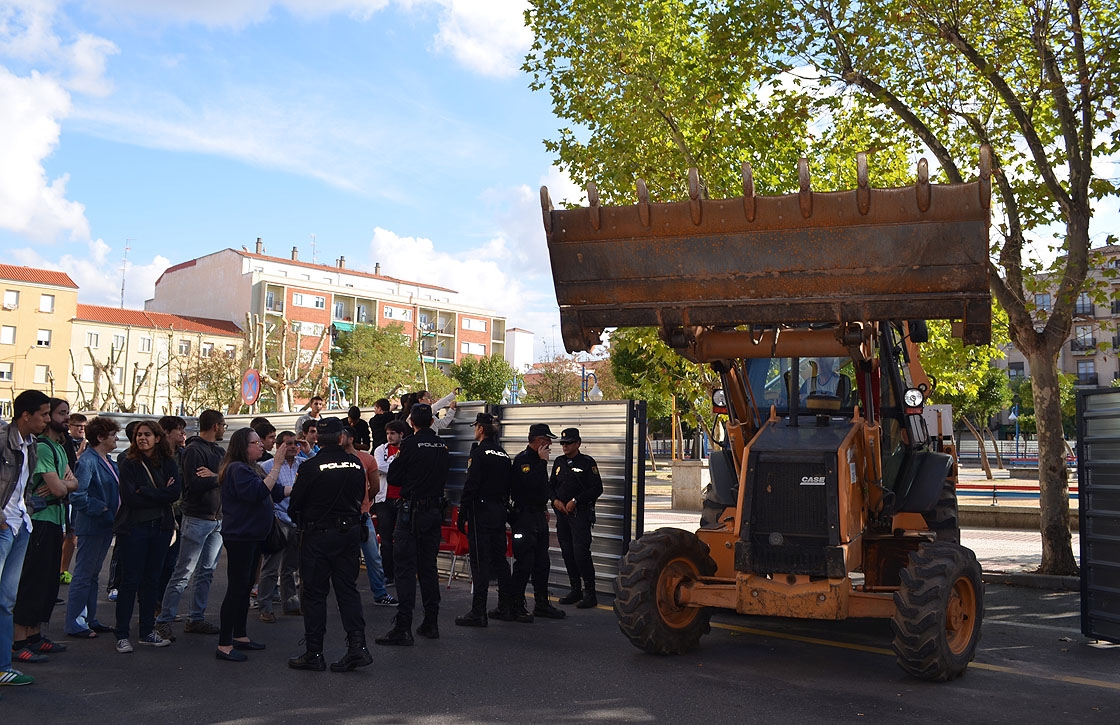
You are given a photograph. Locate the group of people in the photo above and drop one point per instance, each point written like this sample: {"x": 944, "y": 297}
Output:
{"x": 294, "y": 524}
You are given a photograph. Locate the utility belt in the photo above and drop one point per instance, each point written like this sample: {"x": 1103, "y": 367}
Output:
{"x": 341, "y": 524}
{"x": 417, "y": 504}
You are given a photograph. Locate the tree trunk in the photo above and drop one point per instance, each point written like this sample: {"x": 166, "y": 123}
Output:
{"x": 1053, "y": 483}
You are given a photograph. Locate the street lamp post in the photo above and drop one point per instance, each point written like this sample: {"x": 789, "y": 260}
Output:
{"x": 1015, "y": 417}
{"x": 514, "y": 391}
{"x": 594, "y": 394}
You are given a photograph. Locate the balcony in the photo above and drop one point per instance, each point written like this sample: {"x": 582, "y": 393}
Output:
{"x": 1083, "y": 310}
{"x": 1087, "y": 379}
{"x": 1083, "y": 345}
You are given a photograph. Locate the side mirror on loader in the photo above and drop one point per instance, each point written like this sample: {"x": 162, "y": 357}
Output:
{"x": 913, "y": 401}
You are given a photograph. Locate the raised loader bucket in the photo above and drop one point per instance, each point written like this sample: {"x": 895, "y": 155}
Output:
{"x": 918, "y": 252}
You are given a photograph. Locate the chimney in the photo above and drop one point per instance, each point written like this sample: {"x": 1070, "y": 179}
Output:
{"x": 295, "y": 254}
{"x": 377, "y": 268}
{"x": 260, "y": 246}
{"x": 342, "y": 262}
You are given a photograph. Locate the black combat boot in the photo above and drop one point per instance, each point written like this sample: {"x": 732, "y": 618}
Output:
{"x": 400, "y": 635}
{"x": 544, "y": 608}
{"x": 429, "y": 628}
{"x": 473, "y": 618}
{"x": 504, "y": 612}
{"x": 356, "y": 654}
{"x": 573, "y": 596}
{"x": 308, "y": 661}
{"x": 589, "y": 600}
{"x": 520, "y": 612}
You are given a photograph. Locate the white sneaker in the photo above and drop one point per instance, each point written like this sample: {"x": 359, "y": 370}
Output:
{"x": 152, "y": 639}
{"x": 124, "y": 646}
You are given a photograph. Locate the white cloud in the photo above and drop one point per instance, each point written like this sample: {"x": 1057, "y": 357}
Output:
{"x": 30, "y": 203}
{"x": 98, "y": 274}
{"x": 487, "y": 36}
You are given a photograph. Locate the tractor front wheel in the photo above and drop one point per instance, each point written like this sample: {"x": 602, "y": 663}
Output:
{"x": 649, "y": 577}
{"x": 939, "y": 607}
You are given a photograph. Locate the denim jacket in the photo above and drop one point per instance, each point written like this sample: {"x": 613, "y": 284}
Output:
{"x": 95, "y": 502}
{"x": 11, "y": 463}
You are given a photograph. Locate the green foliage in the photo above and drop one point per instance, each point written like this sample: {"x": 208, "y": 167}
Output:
{"x": 648, "y": 369}
{"x": 483, "y": 378}
{"x": 1067, "y": 395}
{"x": 964, "y": 375}
{"x": 383, "y": 360}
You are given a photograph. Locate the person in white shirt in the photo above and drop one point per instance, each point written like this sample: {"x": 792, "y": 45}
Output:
{"x": 385, "y": 503}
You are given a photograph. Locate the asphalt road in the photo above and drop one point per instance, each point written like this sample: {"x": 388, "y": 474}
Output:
{"x": 1033, "y": 666}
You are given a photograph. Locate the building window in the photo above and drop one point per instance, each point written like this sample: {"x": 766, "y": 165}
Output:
{"x": 320, "y": 303}
{"x": 231, "y": 351}
{"x": 1042, "y": 302}
{"x": 184, "y": 347}
{"x": 43, "y": 338}
{"x": 339, "y": 310}
{"x": 118, "y": 376}
{"x": 472, "y": 324}
{"x": 360, "y": 314}
{"x": 145, "y": 344}
{"x": 5, "y": 371}
{"x": 42, "y": 374}
{"x": 118, "y": 342}
{"x": 398, "y": 313}
{"x": 1016, "y": 371}
{"x": 7, "y": 335}
{"x": 297, "y": 299}
{"x": 206, "y": 349}
{"x": 1084, "y": 305}
{"x": 93, "y": 340}
{"x": 46, "y": 303}
{"x": 472, "y": 348}
{"x": 87, "y": 373}
{"x": 1086, "y": 372}
{"x": 11, "y": 299}
{"x": 1083, "y": 338}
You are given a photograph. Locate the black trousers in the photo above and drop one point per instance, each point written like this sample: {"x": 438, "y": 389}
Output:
{"x": 486, "y": 532}
{"x": 416, "y": 546}
{"x": 386, "y": 526}
{"x": 530, "y": 554}
{"x": 38, "y": 582}
{"x": 326, "y": 558}
{"x": 573, "y": 531}
{"x": 243, "y": 558}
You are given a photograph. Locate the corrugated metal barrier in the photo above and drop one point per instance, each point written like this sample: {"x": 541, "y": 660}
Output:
{"x": 1098, "y": 473}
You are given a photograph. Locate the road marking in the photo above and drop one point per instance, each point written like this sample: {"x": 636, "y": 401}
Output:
{"x": 881, "y": 651}
{"x": 1031, "y": 625}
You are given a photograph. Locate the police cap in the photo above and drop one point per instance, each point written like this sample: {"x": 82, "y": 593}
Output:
{"x": 570, "y": 435}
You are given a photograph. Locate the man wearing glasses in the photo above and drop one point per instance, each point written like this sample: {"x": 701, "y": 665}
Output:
{"x": 201, "y": 531}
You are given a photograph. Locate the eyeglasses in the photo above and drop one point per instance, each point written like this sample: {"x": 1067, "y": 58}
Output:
{"x": 259, "y": 443}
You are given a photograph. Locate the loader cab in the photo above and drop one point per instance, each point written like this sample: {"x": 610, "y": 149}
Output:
{"x": 807, "y": 386}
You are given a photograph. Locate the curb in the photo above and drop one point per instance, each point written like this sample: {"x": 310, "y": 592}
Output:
{"x": 1034, "y": 581}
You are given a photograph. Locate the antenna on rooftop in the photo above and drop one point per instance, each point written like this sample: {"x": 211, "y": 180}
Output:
{"x": 124, "y": 267}
{"x": 313, "y": 259}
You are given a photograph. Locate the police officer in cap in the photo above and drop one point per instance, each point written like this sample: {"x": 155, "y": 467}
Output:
{"x": 420, "y": 470}
{"x": 483, "y": 510}
{"x": 326, "y": 505}
{"x": 574, "y": 486}
{"x": 530, "y": 496}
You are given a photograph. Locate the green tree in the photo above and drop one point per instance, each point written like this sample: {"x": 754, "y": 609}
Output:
{"x": 483, "y": 378}
{"x": 553, "y": 381}
{"x": 964, "y": 375}
{"x": 1068, "y": 395}
{"x": 648, "y": 88}
{"x": 382, "y": 359}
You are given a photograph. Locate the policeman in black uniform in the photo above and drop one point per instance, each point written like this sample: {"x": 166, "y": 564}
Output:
{"x": 483, "y": 510}
{"x": 420, "y": 469}
{"x": 574, "y": 486}
{"x": 326, "y": 506}
{"x": 530, "y": 495}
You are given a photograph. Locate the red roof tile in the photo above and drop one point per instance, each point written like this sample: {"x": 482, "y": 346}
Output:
{"x": 157, "y": 320}
{"x": 36, "y": 276}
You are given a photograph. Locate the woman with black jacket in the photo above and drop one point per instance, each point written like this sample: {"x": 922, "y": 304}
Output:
{"x": 247, "y": 515}
{"x": 144, "y": 525}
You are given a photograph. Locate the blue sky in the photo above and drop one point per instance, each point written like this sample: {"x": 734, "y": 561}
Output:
{"x": 394, "y": 131}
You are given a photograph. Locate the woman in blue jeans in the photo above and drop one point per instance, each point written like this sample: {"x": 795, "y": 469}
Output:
{"x": 95, "y": 506}
{"x": 148, "y": 487}
{"x": 247, "y": 516}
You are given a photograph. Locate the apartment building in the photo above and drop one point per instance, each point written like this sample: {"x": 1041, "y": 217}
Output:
{"x": 150, "y": 362}
{"x": 34, "y": 331}
{"x": 1091, "y": 351}
{"x": 313, "y": 299}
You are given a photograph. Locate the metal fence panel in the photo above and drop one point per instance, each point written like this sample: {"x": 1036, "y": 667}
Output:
{"x": 1098, "y": 473}
{"x": 610, "y": 432}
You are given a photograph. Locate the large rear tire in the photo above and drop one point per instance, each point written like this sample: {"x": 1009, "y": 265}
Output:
{"x": 645, "y": 602}
{"x": 943, "y": 521}
{"x": 939, "y": 608}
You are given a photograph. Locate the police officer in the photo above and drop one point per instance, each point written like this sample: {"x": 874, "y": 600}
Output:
{"x": 326, "y": 506}
{"x": 420, "y": 469}
{"x": 574, "y": 486}
{"x": 530, "y": 494}
{"x": 483, "y": 510}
